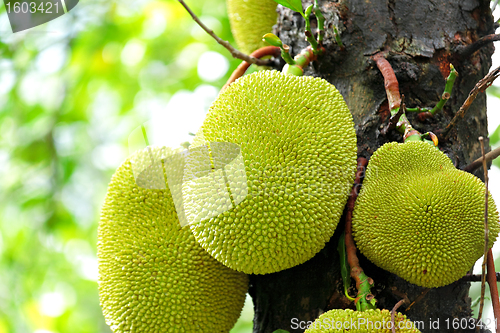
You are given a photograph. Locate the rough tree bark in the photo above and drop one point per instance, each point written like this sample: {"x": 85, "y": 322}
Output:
{"x": 422, "y": 38}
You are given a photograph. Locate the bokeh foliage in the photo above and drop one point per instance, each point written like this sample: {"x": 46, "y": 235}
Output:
{"x": 71, "y": 91}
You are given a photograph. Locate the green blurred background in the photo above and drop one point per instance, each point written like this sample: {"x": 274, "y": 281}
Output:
{"x": 71, "y": 91}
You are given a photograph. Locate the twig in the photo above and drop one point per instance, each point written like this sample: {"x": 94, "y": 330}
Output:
{"x": 478, "y": 277}
{"x": 477, "y": 163}
{"x": 393, "y": 313}
{"x": 479, "y": 87}
{"x": 242, "y": 68}
{"x": 491, "y": 277}
{"x": 234, "y": 52}
{"x": 468, "y": 50}
{"x": 418, "y": 299}
{"x": 363, "y": 282}
{"x": 486, "y": 243}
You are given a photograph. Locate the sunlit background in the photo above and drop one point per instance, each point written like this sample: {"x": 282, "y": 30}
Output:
{"x": 71, "y": 91}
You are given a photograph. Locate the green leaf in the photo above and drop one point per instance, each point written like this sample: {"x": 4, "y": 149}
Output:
{"x": 272, "y": 39}
{"x": 295, "y": 5}
{"x": 345, "y": 270}
{"x": 281, "y": 331}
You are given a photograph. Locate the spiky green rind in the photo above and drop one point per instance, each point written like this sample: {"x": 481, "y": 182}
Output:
{"x": 250, "y": 20}
{"x": 299, "y": 150}
{"x": 419, "y": 217}
{"x": 379, "y": 321}
{"x": 153, "y": 275}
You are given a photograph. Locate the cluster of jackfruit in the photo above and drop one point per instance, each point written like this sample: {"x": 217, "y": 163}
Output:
{"x": 250, "y": 20}
{"x": 299, "y": 151}
{"x": 283, "y": 154}
{"x": 263, "y": 188}
{"x": 339, "y": 321}
{"x": 419, "y": 217}
{"x": 153, "y": 275}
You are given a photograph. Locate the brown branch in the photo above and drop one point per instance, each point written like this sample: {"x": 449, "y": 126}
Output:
{"x": 234, "y": 52}
{"x": 390, "y": 80}
{"x": 492, "y": 279}
{"x": 242, "y": 68}
{"x": 467, "y": 51}
{"x": 479, "y": 162}
{"x": 486, "y": 242}
{"x": 393, "y": 313}
{"x": 478, "y": 277}
{"x": 352, "y": 258}
{"x": 479, "y": 87}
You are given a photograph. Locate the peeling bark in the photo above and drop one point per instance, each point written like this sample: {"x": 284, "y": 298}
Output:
{"x": 422, "y": 38}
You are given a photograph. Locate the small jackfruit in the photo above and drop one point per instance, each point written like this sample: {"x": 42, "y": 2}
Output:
{"x": 376, "y": 321}
{"x": 419, "y": 217}
{"x": 250, "y": 20}
{"x": 298, "y": 148}
{"x": 153, "y": 275}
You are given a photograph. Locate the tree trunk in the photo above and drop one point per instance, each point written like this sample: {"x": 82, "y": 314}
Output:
{"x": 422, "y": 39}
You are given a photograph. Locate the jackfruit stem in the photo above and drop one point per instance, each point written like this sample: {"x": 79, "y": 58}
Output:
{"x": 307, "y": 32}
{"x": 315, "y": 44}
{"x": 337, "y": 38}
{"x": 301, "y": 60}
{"x": 394, "y": 98}
{"x": 365, "y": 299}
{"x": 450, "y": 81}
{"x": 241, "y": 69}
{"x": 285, "y": 54}
{"x": 321, "y": 24}
{"x": 285, "y": 49}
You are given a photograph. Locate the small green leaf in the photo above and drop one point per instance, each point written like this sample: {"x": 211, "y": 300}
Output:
{"x": 272, "y": 39}
{"x": 295, "y": 5}
{"x": 344, "y": 266}
{"x": 309, "y": 10}
{"x": 281, "y": 331}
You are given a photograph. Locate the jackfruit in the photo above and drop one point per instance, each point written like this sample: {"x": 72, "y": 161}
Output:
{"x": 419, "y": 217}
{"x": 250, "y": 20}
{"x": 337, "y": 320}
{"x": 298, "y": 148}
{"x": 153, "y": 275}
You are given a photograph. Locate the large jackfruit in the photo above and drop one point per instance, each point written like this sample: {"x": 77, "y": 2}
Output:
{"x": 298, "y": 147}
{"x": 419, "y": 217}
{"x": 250, "y": 20}
{"x": 376, "y": 321}
{"x": 153, "y": 275}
